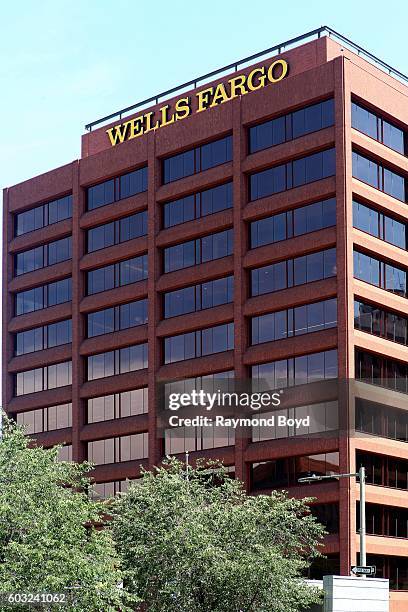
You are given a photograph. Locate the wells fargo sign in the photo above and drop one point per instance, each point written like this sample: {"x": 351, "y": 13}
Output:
{"x": 204, "y": 99}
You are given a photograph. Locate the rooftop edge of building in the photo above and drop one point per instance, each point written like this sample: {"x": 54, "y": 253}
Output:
{"x": 301, "y": 58}
{"x": 194, "y": 83}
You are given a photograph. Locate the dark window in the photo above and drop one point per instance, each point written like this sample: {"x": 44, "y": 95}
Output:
{"x": 44, "y": 337}
{"x": 65, "y": 453}
{"x": 198, "y": 205}
{"x": 198, "y": 159}
{"x": 43, "y": 215}
{"x": 327, "y": 515}
{"x": 328, "y": 565}
{"x": 375, "y": 320}
{"x": 132, "y": 270}
{"x": 287, "y": 127}
{"x": 132, "y": 314}
{"x": 29, "y": 261}
{"x": 181, "y": 301}
{"x": 116, "y": 232}
{"x": 182, "y": 439}
{"x": 128, "y": 359}
{"x": 104, "y": 490}
{"x": 282, "y": 226}
{"x": 364, "y": 121}
{"x": 313, "y": 217}
{"x": 117, "y": 275}
{"x": 393, "y": 137}
{"x": 116, "y": 318}
{"x": 101, "y": 237}
{"x": 381, "y": 371}
{"x": 368, "y": 220}
{"x": 59, "y": 333}
{"x": 313, "y": 118}
{"x": 323, "y": 417}
{"x": 294, "y": 321}
{"x": 199, "y": 343}
{"x": 366, "y": 170}
{"x": 199, "y": 297}
{"x": 43, "y": 296}
{"x": 292, "y": 174}
{"x": 189, "y": 439}
{"x": 379, "y": 177}
{"x": 117, "y": 406}
{"x": 380, "y": 274}
{"x": 395, "y": 569}
{"x": 268, "y": 182}
{"x": 378, "y": 128}
{"x": 43, "y": 256}
{"x": 116, "y": 450}
{"x": 133, "y": 226}
{"x": 383, "y": 471}
{"x": 101, "y": 322}
{"x": 292, "y": 272}
{"x": 298, "y": 370}
{"x": 59, "y": 292}
{"x": 44, "y": 378}
{"x": 30, "y": 300}
{"x": 194, "y": 252}
{"x": 132, "y": 183}
{"x": 283, "y": 473}
{"x": 180, "y": 211}
{"x": 381, "y": 420}
{"x": 395, "y": 232}
{"x": 101, "y": 279}
{"x": 46, "y": 419}
{"x": 215, "y": 153}
{"x": 101, "y": 195}
{"x": 117, "y": 189}
{"x": 314, "y": 167}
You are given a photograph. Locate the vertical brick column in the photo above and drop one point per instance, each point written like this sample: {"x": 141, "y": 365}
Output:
{"x": 8, "y": 305}
{"x": 240, "y": 284}
{"x": 78, "y": 331}
{"x": 349, "y": 310}
{"x": 153, "y": 226}
{"x": 345, "y": 302}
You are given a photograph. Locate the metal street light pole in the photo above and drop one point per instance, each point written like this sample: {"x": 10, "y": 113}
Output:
{"x": 363, "y": 554}
{"x": 187, "y": 464}
{"x": 362, "y": 480}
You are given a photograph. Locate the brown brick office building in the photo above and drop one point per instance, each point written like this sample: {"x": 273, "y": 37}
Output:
{"x": 260, "y": 230}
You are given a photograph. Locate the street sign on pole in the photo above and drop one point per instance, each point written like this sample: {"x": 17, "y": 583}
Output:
{"x": 363, "y": 570}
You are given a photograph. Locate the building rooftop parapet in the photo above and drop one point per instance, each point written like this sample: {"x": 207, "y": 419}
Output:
{"x": 242, "y": 63}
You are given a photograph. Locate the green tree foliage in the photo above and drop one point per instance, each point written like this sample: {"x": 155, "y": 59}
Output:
{"x": 48, "y": 542}
{"x": 200, "y": 544}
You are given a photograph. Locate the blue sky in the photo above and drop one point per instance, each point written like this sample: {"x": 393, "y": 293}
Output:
{"x": 64, "y": 64}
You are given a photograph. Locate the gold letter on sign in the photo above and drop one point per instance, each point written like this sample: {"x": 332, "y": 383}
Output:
{"x": 261, "y": 79}
{"x": 118, "y": 133}
{"x": 203, "y": 98}
{"x": 149, "y": 125}
{"x": 220, "y": 95}
{"x": 206, "y": 98}
{"x": 183, "y": 108}
{"x": 238, "y": 85}
{"x": 271, "y": 70}
{"x": 136, "y": 127}
{"x": 165, "y": 120}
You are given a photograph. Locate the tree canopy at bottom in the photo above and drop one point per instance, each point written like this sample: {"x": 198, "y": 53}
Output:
{"x": 49, "y": 542}
{"x": 195, "y": 542}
